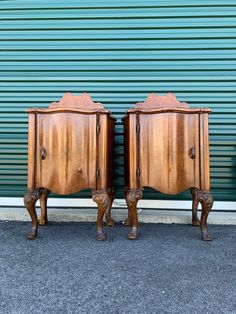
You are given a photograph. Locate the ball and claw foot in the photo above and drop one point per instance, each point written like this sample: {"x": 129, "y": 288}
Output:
{"x": 32, "y": 234}
{"x": 133, "y": 234}
{"x": 101, "y": 236}
{"x": 206, "y": 236}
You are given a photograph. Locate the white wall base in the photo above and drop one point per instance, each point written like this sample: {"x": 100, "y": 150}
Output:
{"x": 118, "y": 203}
{"x": 155, "y": 211}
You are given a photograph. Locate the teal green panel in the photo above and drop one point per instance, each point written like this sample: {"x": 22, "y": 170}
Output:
{"x": 118, "y": 52}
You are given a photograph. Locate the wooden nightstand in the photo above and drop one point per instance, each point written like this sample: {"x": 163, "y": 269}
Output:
{"x": 70, "y": 148}
{"x": 167, "y": 149}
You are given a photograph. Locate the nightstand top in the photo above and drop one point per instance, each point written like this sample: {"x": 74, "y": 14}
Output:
{"x": 166, "y": 103}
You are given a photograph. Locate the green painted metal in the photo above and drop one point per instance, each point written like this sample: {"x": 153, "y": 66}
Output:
{"x": 118, "y": 52}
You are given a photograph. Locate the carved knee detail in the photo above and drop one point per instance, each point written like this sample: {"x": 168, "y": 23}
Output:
{"x": 133, "y": 196}
{"x": 101, "y": 198}
{"x": 30, "y": 198}
{"x": 204, "y": 197}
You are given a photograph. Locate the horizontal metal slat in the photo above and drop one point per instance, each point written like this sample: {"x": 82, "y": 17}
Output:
{"x": 113, "y": 34}
{"x": 120, "y": 98}
{"x": 118, "y": 44}
{"x": 148, "y": 55}
{"x": 49, "y": 91}
{"x": 44, "y": 4}
{"x": 93, "y": 3}
{"x": 153, "y": 23}
{"x": 117, "y": 78}
{"x": 125, "y": 12}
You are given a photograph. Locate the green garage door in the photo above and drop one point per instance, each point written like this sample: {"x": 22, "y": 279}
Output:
{"x": 118, "y": 52}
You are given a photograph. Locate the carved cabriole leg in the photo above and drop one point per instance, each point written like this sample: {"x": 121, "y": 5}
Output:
{"x": 109, "y": 221}
{"x": 30, "y": 199}
{"x": 43, "y": 204}
{"x": 102, "y": 198}
{"x": 206, "y": 200}
{"x": 195, "y": 220}
{"x": 132, "y": 197}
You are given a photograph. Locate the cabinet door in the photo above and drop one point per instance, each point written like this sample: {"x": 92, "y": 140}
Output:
{"x": 66, "y": 152}
{"x": 169, "y": 152}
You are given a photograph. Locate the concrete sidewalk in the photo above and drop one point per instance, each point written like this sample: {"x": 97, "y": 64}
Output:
{"x": 168, "y": 270}
{"x": 75, "y": 214}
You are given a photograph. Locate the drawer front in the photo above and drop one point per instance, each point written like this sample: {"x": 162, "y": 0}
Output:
{"x": 66, "y": 152}
{"x": 169, "y": 152}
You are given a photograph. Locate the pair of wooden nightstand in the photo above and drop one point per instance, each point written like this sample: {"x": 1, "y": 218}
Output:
{"x": 71, "y": 148}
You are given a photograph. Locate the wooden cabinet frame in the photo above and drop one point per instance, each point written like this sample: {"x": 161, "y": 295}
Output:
{"x": 70, "y": 148}
{"x": 167, "y": 149}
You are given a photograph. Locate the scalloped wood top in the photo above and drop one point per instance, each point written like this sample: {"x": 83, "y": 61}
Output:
{"x": 83, "y": 101}
{"x": 70, "y": 103}
{"x": 166, "y": 103}
{"x": 154, "y": 101}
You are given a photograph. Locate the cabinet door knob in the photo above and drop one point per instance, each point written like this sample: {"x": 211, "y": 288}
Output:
{"x": 80, "y": 170}
{"x": 192, "y": 153}
{"x": 43, "y": 153}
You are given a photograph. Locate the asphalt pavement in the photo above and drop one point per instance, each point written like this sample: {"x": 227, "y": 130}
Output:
{"x": 167, "y": 270}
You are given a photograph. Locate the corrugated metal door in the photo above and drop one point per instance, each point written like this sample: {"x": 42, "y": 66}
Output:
{"x": 118, "y": 52}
